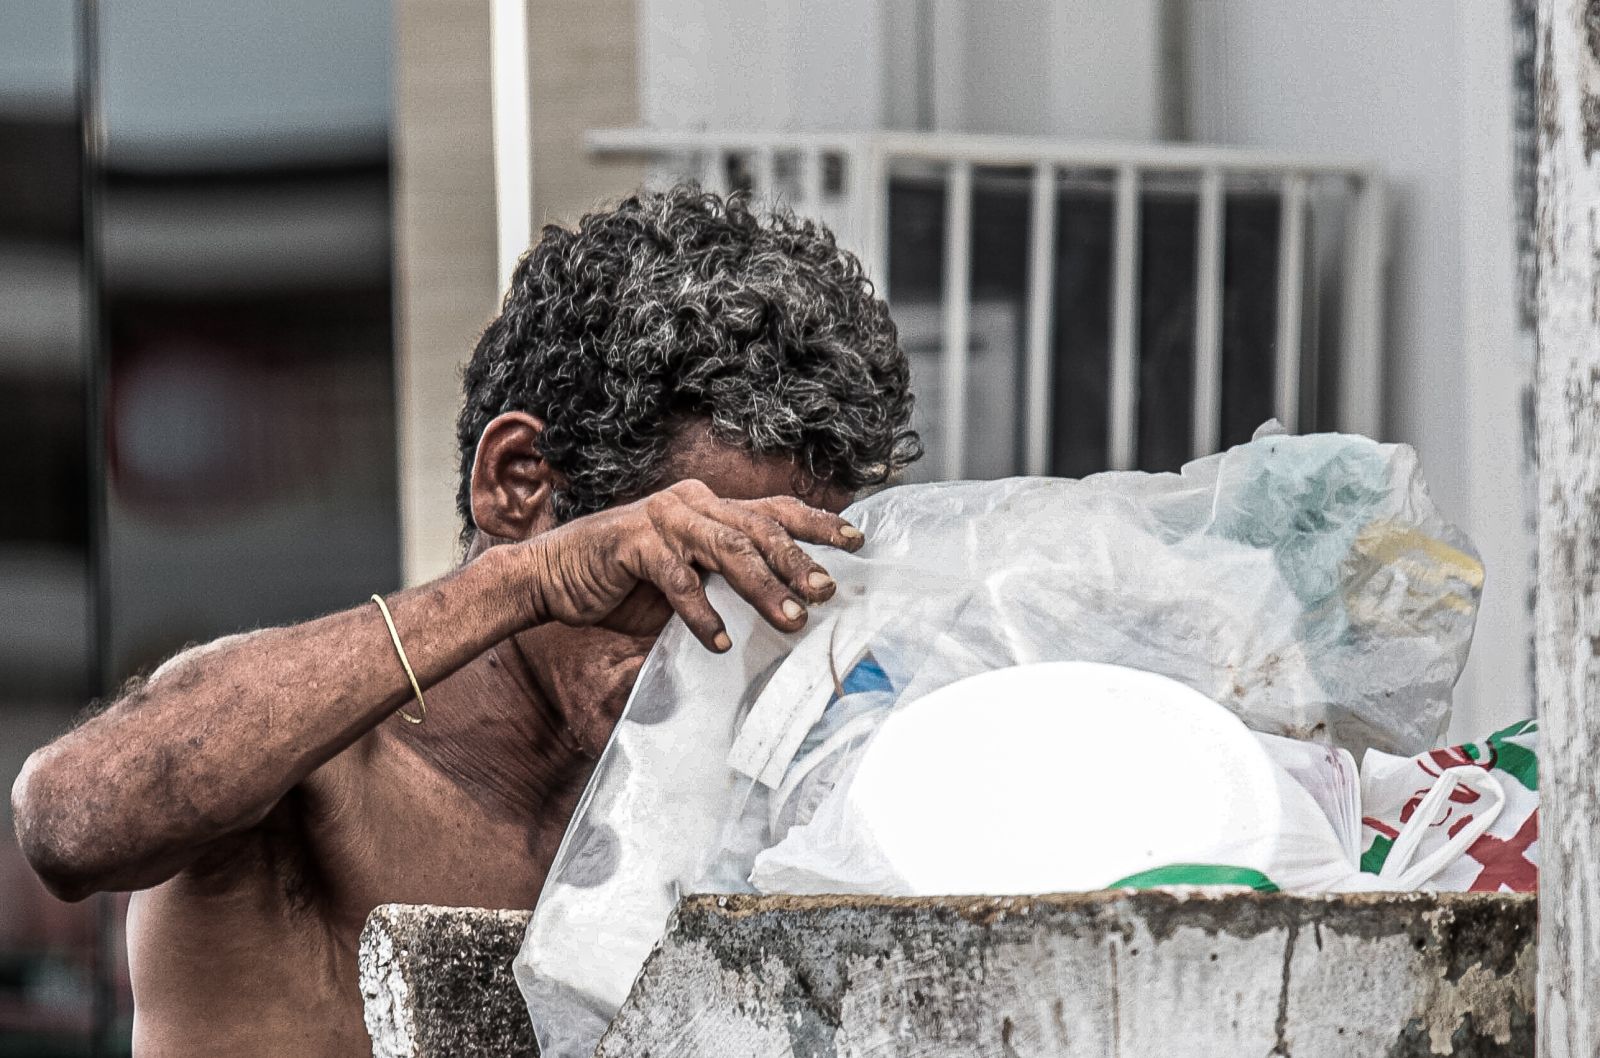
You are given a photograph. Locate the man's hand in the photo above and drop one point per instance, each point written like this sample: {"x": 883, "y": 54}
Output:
{"x": 630, "y": 568}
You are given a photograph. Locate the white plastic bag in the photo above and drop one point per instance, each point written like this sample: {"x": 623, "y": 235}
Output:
{"x": 1305, "y": 583}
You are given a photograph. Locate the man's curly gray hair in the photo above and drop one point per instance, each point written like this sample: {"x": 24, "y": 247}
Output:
{"x": 682, "y": 304}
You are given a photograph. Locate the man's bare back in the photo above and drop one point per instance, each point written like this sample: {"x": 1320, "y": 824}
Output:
{"x": 252, "y": 949}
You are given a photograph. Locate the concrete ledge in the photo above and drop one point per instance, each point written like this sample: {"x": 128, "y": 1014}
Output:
{"x": 1135, "y": 975}
{"x": 437, "y": 981}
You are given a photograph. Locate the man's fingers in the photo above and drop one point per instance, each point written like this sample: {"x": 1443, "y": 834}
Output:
{"x": 804, "y": 575}
{"x": 680, "y": 585}
{"x": 804, "y": 522}
{"x": 752, "y": 543}
{"x": 722, "y": 548}
{"x": 798, "y": 518}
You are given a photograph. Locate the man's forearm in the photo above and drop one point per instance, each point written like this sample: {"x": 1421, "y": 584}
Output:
{"x": 215, "y": 739}
{"x": 208, "y": 746}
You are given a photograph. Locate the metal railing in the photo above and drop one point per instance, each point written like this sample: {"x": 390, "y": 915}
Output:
{"x": 844, "y": 180}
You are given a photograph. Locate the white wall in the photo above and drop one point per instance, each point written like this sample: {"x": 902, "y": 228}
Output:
{"x": 1498, "y": 682}
{"x": 1081, "y": 68}
{"x": 1052, "y": 67}
{"x": 801, "y": 65}
{"x": 446, "y": 287}
{"x": 1402, "y": 83}
{"x": 1313, "y": 75}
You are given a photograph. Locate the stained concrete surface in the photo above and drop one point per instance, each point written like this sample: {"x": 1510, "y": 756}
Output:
{"x": 1093, "y": 974}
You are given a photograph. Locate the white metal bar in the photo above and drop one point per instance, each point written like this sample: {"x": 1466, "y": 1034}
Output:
{"x": 509, "y": 82}
{"x": 1291, "y": 286}
{"x": 862, "y": 221}
{"x": 1125, "y": 322}
{"x": 869, "y": 210}
{"x": 1015, "y": 150}
{"x": 1207, "y": 425}
{"x": 653, "y": 141}
{"x": 992, "y": 150}
{"x": 765, "y": 176}
{"x": 810, "y": 203}
{"x": 1041, "y": 293}
{"x": 714, "y": 170}
{"x": 957, "y": 292}
{"x": 1361, "y": 330}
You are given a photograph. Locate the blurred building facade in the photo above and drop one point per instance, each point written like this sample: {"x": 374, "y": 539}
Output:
{"x": 196, "y": 382}
{"x": 47, "y": 950}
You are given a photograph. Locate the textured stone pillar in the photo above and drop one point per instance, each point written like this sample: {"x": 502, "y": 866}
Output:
{"x": 436, "y": 982}
{"x": 1566, "y": 622}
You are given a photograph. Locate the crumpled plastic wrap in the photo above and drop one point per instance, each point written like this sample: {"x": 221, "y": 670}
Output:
{"x": 1306, "y": 583}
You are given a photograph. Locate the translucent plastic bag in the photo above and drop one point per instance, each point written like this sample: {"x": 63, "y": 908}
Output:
{"x": 1305, "y": 583}
{"x": 1057, "y": 776}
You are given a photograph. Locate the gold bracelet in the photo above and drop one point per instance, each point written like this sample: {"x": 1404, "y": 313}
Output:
{"x": 422, "y": 706}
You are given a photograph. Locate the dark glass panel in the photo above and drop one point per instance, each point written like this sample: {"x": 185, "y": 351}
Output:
{"x": 1082, "y": 332}
{"x": 916, "y": 285}
{"x": 998, "y": 322}
{"x": 1249, "y": 314}
{"x": 1168, "y": 268}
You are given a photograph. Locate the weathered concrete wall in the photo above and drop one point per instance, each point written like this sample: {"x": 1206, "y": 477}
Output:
{"x": 1132, "y": 975}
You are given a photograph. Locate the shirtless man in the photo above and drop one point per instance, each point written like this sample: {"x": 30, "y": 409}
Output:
{"x": 676, "y": 388}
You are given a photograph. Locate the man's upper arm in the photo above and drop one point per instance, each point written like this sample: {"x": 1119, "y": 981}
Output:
{"x": 195, "y": 652}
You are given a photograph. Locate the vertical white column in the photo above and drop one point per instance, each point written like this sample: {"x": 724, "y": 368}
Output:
{"x": 810, "y": 204}
{"x": 1495, "y": 688}
{"x": 512, "y": 130}
{"x": 1125, "y": 322}
{"x": 1291, "y": 289}
{"x": 766, "y": 176}
{"x": 1567, "y": 609}
{"x": 868, "y": 181}
{"x": 957, "y": 294}
{"x": 1361, "y": 322}
{"x": 1041, "y": 294}
{"x": 1206, "y": 428}
{"x": 714, "y": 170}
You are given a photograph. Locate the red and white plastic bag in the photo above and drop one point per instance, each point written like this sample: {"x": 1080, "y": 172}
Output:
{"x": 1502, "y": 857}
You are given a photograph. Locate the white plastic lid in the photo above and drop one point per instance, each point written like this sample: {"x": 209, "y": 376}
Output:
{"x": 1062, "y": 776}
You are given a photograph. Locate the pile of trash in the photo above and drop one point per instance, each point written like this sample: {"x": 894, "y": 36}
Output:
{"x": 1038, "y": 685}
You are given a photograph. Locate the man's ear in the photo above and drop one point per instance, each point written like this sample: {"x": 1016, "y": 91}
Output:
{"x": 511, "y": 482}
